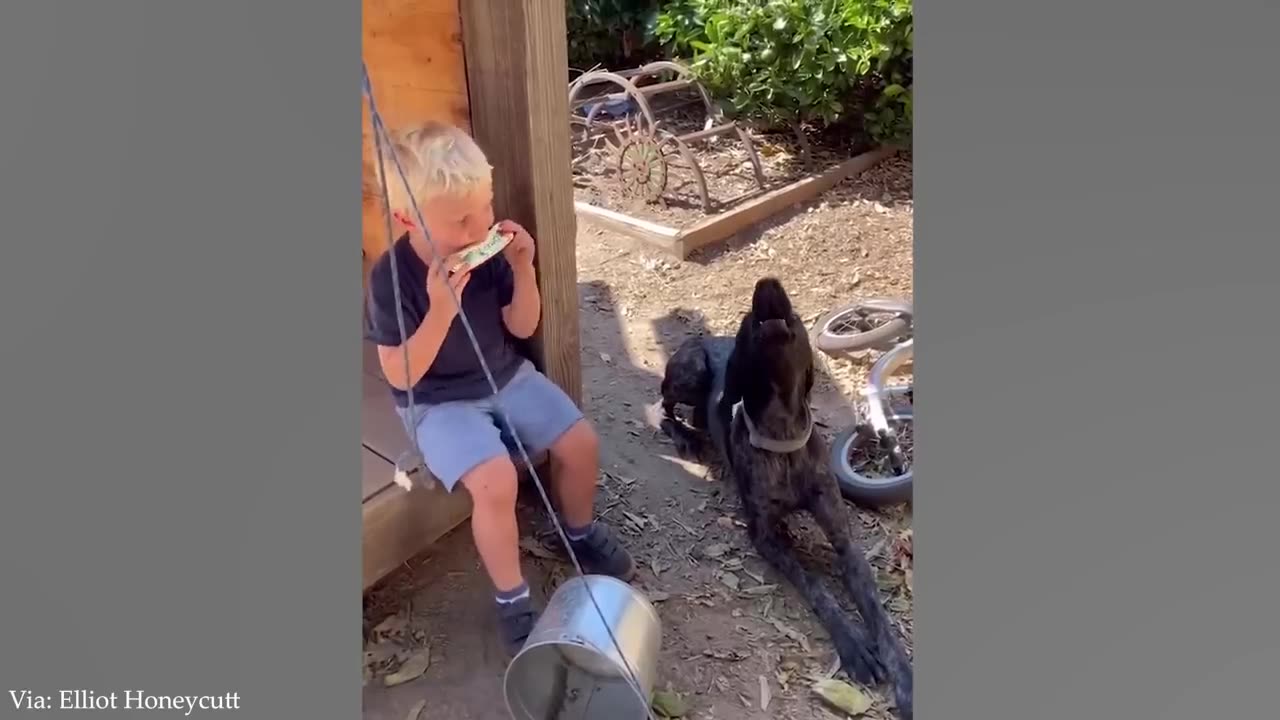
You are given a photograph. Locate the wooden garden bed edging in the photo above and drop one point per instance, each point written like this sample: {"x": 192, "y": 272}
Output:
{"x": 683, "y": 241}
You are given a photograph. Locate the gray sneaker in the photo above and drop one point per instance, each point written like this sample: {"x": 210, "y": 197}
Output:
{"x": 600, "y": 553}
{"x": 515, "y": 622}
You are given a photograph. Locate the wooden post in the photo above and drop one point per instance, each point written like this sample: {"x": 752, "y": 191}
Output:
{"x": 517, "y": 81}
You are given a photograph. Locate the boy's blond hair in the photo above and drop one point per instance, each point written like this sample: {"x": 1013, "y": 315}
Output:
{"x": 436, "y": 159}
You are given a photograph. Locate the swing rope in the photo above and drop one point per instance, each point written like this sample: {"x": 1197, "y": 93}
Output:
{"x": 381, "y": 136}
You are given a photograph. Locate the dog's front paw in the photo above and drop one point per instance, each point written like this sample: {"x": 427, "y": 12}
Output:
{"x": 858, "y": 657}
{"x": 687, "y": 444}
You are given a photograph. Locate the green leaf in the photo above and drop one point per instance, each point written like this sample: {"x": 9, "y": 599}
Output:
{"x": 668, "y": 704}
{"x": 894, "y": 90}
{"x": 780, "y": 24}
{"x": 843, "y": 697}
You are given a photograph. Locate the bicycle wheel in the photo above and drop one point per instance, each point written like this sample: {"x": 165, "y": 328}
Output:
{"x": 859, "y": 485}
{"x": 853, "y": 328}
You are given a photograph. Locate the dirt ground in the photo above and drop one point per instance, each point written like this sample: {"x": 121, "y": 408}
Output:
{"x": 737, "y": 640}
{"x": 724, "y": 161}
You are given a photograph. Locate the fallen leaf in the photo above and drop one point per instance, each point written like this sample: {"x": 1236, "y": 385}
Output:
{"x": 658, "y": 596}
{"x": 759, "y": 590}
{"x": 725, "y": 655}
{"x": 391, "y": 625}
{"x": 784, "y": 677}
{"x": 730, "y": 581}
{"x": 792, "y": 633}
{"x": 875, "y": 549}
{"x": 635, "y": 519}
{"x": 765, "y": 694}
{"x": 832, "y": 669}
{"x": 843, "y": 697}
{"x": 606, "y": 358}
{"x": 889, "y": 582}
{"x": 668, "y": 704}
{"x": 536, "y": 549}
{"x": 725, "y": 521}
{"x": 416, "y": 710}
{"x": 412, "y": 669}
{"x": 715, "y": 550}
{"x": 695, "y": 469}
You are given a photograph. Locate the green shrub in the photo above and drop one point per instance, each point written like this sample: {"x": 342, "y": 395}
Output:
{"x": 786, "y": 62}
{"x": 613, "y": 33}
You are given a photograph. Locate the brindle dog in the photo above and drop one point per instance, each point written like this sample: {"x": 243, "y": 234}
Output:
{"x": 750, "y": 395}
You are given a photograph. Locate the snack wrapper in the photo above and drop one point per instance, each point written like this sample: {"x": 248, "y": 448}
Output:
{"x": 470, "y": 258}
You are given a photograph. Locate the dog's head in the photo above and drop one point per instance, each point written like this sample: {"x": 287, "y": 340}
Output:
{"x": 776, "y": 339}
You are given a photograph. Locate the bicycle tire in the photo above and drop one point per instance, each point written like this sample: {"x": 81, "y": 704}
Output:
{"x": 877, "y": 337}
{"x": 862, "y": 490}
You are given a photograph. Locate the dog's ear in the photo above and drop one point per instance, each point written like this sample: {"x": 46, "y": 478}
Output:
{"x": 736, "y": 371}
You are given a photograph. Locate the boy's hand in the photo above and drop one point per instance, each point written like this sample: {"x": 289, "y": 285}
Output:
{"x": 439, "y": 282}
{"x": 520, "y": 251}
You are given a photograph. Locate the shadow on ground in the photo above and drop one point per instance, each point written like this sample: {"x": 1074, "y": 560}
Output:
{"x": 444, "y": 592}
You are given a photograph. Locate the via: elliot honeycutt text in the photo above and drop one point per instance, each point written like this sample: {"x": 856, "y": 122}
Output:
{"x": 123, "y": 700}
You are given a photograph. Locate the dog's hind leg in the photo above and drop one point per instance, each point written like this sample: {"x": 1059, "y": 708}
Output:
{"x": 860, "y": 580}
{"x": 856, "y": 651}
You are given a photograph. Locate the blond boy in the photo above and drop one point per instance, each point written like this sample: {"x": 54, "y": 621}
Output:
{"x": 459, "y": 427}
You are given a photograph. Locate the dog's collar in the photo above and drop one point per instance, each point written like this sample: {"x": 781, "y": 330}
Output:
{"x": 774, "y": 445}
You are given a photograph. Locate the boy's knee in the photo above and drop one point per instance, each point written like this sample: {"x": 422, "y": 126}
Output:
{"x": 577, "y": 443}
{"x": 492, "y": 484}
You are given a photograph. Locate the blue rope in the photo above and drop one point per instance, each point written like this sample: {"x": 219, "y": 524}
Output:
{"x": 380, "y": 136}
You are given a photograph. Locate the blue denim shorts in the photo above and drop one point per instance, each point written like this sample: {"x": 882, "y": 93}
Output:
{"x": 457, "y": 436}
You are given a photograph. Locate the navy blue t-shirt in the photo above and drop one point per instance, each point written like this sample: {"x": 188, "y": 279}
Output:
{"x": 456, "y": 373}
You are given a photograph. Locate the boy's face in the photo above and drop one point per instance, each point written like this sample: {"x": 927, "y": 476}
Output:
{"x": 457, "y": 220}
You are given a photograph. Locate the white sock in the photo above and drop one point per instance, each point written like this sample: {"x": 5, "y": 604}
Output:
{"x": 514, "y": 595}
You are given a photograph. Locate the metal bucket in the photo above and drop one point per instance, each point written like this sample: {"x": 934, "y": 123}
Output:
{"x": 570, "y": 670}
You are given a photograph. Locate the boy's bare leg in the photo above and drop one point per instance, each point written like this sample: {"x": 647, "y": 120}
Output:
{"x": 575, "y": 459}
{"x": 493, "y": 488}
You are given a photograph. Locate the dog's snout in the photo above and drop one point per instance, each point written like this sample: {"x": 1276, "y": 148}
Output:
{"x": 772, "y": 330}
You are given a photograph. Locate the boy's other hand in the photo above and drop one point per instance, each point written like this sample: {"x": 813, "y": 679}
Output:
{"x": 439, "y": 286}
{"x": 520, "y": 251}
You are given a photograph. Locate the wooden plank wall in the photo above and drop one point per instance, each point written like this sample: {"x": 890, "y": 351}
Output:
{"x": 509, "y": 89}
{"x": 516, "y": 66}
{"x": 413, "y": 49}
